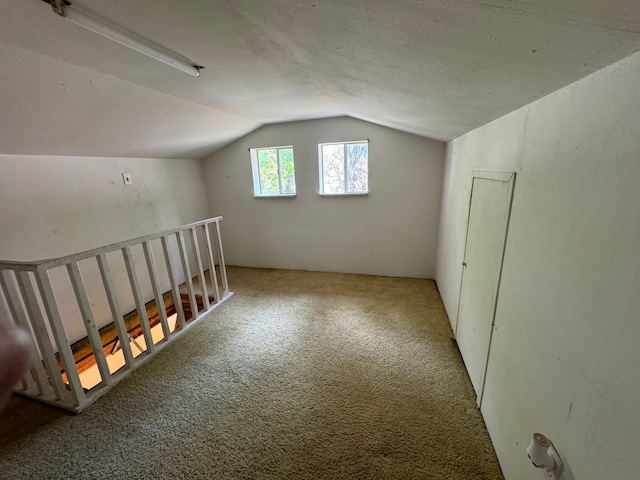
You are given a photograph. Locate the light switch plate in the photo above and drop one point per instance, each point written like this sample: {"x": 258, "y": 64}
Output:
{"x": 127, "y": 178}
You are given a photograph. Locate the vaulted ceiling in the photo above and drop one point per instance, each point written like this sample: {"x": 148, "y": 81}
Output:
{"x": 436, "y": 68}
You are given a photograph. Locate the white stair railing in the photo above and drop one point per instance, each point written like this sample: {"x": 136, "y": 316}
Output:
{"x": 125, "y": 279}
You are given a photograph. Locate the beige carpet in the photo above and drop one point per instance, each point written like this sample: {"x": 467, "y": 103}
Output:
{"x": 299, "y": 376}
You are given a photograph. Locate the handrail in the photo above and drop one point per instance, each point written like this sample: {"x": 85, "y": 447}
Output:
{"x": 76, "y": 257}
{"x": 35, "y": 297}
{"x": 13, "y": 263}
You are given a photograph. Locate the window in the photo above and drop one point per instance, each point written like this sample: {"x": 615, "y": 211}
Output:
{"x": 273, "y": 171}
{"x": 344, "y": 168}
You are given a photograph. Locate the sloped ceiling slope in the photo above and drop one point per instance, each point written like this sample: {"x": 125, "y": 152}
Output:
{"x": 433, "y": 68}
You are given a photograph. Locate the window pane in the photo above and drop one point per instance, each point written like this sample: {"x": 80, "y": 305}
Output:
{"x": 333, "y": 168}
{"x": 357, "y": 167}
{"x": 287, "y": 173}
{"x": 268, "y": 166}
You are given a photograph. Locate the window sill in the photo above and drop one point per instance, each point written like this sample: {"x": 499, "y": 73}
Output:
{"x": 284, "y": 195}
{"x": 363, "y": 194}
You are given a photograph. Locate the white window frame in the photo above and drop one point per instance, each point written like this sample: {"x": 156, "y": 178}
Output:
{"x": 255, "y": 169}
{"x": 346, "y": 167}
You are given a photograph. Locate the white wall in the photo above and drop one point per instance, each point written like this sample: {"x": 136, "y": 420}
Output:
{"x": 54, "y": 206}
{"x": 566, "y": 347}
{"x": 392, "y": 231}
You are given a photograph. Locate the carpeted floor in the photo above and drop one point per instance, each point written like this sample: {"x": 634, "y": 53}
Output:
{"x": 299, "y": 376}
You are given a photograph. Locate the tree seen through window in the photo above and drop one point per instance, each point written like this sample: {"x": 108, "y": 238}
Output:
{"x": 274, "y": 172}
{"x": 344, "y": 167}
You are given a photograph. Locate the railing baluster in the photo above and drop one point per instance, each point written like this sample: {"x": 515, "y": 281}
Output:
{"x": 187, "y": 273}
{"x": 64, "y": 349}
{"x": 212, "y": 264}
{"x": 116, "y": 313}
{"x": 42, "y": 335}
{"x": 175, "y": 289}
{"x": 155, "y": 284}
{"x": 89, "y": 322}
{"x": 203, "y": 281}
{"x": 140, "y": 306}
{"x": 27, "y": 292}
{"x": 223, "y": 268}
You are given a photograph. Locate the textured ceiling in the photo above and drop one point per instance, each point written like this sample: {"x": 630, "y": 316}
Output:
{"x": 434, "y": 68}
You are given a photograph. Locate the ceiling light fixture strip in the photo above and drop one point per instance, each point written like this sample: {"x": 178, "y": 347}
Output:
{"x": 104, "y": 27}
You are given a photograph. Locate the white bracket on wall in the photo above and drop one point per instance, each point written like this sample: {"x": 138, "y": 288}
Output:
{"x": 543, "y": 454}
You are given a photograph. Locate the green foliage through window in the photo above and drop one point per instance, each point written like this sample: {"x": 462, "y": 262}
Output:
{"x": 273, "y": 171}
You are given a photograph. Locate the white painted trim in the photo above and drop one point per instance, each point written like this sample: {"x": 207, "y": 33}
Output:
{"x": 499, "y": 176}
{"x": 31, "y": 301}
{"x": 284, "y": 195}
{"x": 76, "y": 257}
{"x": 350, "y": 194}
{"x": 157, "y": 293}
{"x": 255, "y": 172}
{"x": 321, "y": 191}
{"x": 90, "y": 325}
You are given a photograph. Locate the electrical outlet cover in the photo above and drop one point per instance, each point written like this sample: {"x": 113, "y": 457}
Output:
{"x": 127, "y": 178}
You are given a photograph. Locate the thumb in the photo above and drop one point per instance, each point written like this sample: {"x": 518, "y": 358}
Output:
{"x": 15, "y": 351}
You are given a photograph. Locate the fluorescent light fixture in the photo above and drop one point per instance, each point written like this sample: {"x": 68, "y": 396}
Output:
{"x": 102, "y": 26}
